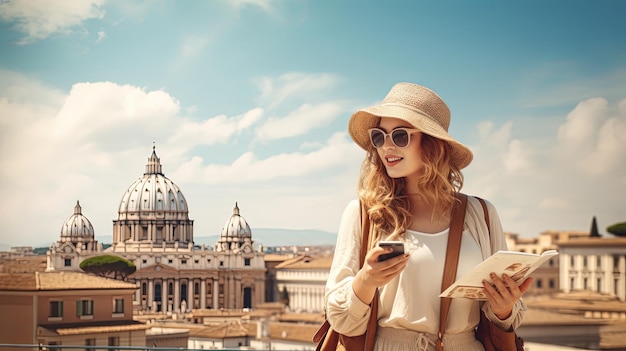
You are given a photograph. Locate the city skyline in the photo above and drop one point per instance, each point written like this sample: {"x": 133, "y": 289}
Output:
{"x": 248, "y": 101}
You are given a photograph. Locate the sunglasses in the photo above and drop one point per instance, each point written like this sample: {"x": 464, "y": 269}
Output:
{"x": 400, "y": 137}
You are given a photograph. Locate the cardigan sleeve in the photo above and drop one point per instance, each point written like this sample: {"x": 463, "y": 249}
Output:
{"x": 491, "y": 240}
{"x": 345, "y": 312}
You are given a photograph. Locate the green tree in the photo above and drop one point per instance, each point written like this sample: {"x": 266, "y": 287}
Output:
{"x": 594, "y": 228}
{"x": 109, "y": 266}
{"x": 617, "y": 229}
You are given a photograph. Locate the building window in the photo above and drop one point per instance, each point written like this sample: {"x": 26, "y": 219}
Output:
{"x": 221, "y": 263}
{"x": 539, "y": 283}
{"x": 246, "y": 261}
{"x": 183, "y": 261}
{"x": 84, "y": 308}
{"x": 56, "y": 309}
{"x": 584, "y": 261}
{"x": 68, "y": 262}
{"x": 221, "y": 288}
{"x": 144, "y": 289}
{"x": 551, "y": 283}
{"x": 170, "y": 261}
{"x": 118, "y": 306}
{"x": 170, "y": 288}
{"x": 196, "y": 261}
{"x": 90, "y": 342}
{"x": 571, "y": 261}
{"x": 598, "y": 262}
{"x": 599, "y": 285}
{"x": 144, "y": 261}
{"x": 114, "y": 341}
{"x": 196, "y": 288}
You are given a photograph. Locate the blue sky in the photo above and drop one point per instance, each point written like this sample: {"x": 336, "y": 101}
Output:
{"x": 248, "y": 101}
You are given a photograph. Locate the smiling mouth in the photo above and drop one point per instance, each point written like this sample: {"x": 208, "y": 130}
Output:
{"x": 392, "y": 160}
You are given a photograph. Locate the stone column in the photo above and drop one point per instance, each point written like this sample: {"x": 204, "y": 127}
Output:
{"x": 216, "y": 291}
{"x": 177, "y": 294}
{"x": 203, "y": 293}
{"x": 164, "y": 301}
{"x": 150, "y": 292}
{"x": 191, "y": 289}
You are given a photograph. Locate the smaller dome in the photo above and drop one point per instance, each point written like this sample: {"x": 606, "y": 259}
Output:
{"x": 236, "y": 228}
{"x": 77, "y": 226}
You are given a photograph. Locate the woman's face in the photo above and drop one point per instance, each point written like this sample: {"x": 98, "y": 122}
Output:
{"x": 400, "y": 162}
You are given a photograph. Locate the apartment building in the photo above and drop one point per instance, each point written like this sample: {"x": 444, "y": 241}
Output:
{"x": 67, "y": 308}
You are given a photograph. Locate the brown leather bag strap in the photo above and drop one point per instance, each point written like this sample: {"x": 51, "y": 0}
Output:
{"x": 365, "y": 232}
{"x": 452, "y": 261}
{"x": 367, "y": 239}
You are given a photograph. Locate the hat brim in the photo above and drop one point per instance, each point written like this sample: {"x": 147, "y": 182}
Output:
{"x": 367, "y": 118}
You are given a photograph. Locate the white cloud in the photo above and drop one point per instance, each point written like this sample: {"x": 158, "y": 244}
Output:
{"x": 300, "y": 121}
{"x": 266, "y": 5}
{"x": 294, "y": 85}
{"x": 101, "y": 36}
{"x": 592, "y": 138}
{"x": 558, "y": 183}
{"x": 335, "y": 153}
{"x": 216, "y": 130}
{"x": 105, "y": 111}
{"x": 38, "y": 19}
{"x": 582, "y": 123}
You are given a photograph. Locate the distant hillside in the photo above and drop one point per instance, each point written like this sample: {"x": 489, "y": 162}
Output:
{"x": 282, "y": 237}
{"x": 270, "y": 237}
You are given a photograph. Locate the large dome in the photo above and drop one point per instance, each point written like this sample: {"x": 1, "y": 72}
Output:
{"x": 236, "y": 228}
{"x": 153, "y": 211}
{"x": 77, "y": 227}
{"x": 153, "y": 192}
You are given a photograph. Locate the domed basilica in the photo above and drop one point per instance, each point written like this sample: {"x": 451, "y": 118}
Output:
{"x": 153, "y": 230}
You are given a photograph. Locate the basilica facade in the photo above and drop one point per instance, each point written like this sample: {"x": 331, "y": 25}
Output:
{"x": 154, "y": 231}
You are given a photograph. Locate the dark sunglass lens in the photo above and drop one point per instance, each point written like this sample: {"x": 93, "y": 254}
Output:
{"x": 400, "y": 137}
{"x": 378, "y": 138}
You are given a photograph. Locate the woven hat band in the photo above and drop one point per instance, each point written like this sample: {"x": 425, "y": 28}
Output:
{"x": 443, "y": 124}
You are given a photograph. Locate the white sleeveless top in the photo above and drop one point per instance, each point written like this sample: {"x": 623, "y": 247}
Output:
{"x": 411, "y": 301}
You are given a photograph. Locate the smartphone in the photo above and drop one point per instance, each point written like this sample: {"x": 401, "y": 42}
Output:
{"x": 397, "y": 246}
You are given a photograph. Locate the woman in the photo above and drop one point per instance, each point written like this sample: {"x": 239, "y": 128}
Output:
{"x": 408, "y": 182}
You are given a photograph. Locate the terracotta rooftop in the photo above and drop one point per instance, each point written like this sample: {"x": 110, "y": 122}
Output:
{"x": 293, "y": 331}
{"x": 100, "y": 327}
{"x": 58, "y": 281}
{"x": 580, "y": 301}
{"x": 273, "y": 257}
{"x": 593, "y": 242}
{"x": 230, "y": 329}
{"x": 317, "y": 318}
{"x": 26, "y": 264}
{"x": 307, "y": 262}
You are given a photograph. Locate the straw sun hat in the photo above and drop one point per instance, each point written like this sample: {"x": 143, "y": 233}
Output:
{"x": 417, "y": 105}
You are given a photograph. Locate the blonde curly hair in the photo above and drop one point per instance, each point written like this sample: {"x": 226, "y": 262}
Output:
{"x": 385, "y": 198}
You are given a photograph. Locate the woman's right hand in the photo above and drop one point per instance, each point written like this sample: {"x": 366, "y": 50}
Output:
{"x": 375, "y": 274}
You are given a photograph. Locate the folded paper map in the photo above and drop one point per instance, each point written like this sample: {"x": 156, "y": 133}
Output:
{"x": 517, "y": 265}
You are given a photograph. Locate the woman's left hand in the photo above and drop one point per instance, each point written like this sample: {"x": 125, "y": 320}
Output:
{"x": 504, "y": 293}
